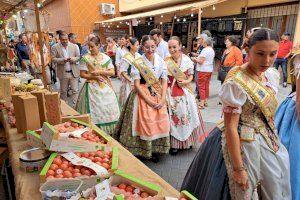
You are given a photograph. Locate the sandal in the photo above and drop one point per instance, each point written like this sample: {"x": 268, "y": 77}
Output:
{"x": 206, "y": 104}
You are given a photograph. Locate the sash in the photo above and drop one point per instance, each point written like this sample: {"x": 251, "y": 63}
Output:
{"x": 92, "y": 68}
{"x": 147, "y": 74}
{"x": 176, "y": 72}
{"x": 129, "y": 58}
{"x": 264, "y": 98}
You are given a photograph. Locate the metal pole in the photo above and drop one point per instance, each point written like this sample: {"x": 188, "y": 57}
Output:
{"x": 41, "y": 44}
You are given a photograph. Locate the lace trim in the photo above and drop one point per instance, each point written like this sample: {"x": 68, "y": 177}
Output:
{"x": 236, "y": 110}
{"x": 235, "y": 192}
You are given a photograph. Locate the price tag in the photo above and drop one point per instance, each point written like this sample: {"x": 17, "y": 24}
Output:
{"x": 103, "y": 190}
{"x": 76, "y": 133}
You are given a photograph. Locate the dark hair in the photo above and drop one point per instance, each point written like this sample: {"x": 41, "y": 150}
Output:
{"x": 132, "y": 41}
{"x": 61, "y": 34}
{"x": 21, "y": 35}
{"x": 233, "y": 40}
{"x": 51, "y": 34}
{"x": 155, "y": 31}
{"x": 58, "y": 32}
{"x": 146, "y": 38}
{"x": 71, "y": 35}
{"x": 126, "y": 37}
{"x": 95, "y": 40}
{"x": 262, "y": 34}
{"x": 177, "y": 39}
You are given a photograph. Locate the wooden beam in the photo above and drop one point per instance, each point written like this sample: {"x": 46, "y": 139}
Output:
{"x": 130, "y": 27}
{"x": 41, "y": 44}
{"x": 199, "y": 20}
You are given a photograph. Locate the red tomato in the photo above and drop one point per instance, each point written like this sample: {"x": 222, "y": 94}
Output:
{"x": 59, "y": 176}
{"x": 70, "y": 164}
{"x": 57, "y": 161}
{"x": 78, "y": 154}
{"x": 54, "y": 167}
{"x": 106, "y": 160}
{"x": 67, "y": 174}
{"x": 183, "y": 198}
{"x": 99, "y": 163}
{"x": 71, "y": 169}
{"x": 76, "y": 171}
{"x": 105, "y": 165}
{"x": 144, "y": 195}
{"x": 85, "y": 154}
{"x": 85, "y": 135}
{"x": 92, "y": 154}
{"x": 81, "y": 126}
{"x": 77, "y": 175}
{"x": 64, "y": 166}
{"x": 49, "y": 177}
{"x": 87, "y": 172}
{"x": 82, "y": 170}
{"x": 122, "y": 186}
{"x": 66, "y": 162}
{"x": 129, "y": 188}
{"x": 99, "y": 153}
{"x": 73, "y": 124}
{"x": 66, "y": 125}
{"x": 50, "y": 173}
{"x": 97, "y": 159}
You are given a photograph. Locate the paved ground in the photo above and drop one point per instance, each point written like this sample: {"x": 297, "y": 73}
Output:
{"x": 173, "y": 168}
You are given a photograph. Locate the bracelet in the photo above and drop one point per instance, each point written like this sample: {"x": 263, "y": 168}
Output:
{"x": 239, "y": 169}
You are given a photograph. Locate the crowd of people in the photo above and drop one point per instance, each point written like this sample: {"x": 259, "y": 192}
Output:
{"x": 249, "y": 155}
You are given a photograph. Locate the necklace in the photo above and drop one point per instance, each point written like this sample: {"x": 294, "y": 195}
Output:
{"x": 254, "y": 75}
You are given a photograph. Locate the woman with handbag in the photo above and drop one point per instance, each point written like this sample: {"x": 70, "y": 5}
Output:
{"x": 232, "y": 56}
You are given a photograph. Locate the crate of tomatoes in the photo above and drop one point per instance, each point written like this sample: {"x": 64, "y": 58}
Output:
{"x": 90, "y": 167}
{"x": 74, "y": 136}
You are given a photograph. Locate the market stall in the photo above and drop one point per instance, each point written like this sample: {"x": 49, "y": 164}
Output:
{"x": 27, "y": 184}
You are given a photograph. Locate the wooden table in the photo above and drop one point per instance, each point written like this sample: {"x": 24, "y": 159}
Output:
{"x": 27, "y": 184}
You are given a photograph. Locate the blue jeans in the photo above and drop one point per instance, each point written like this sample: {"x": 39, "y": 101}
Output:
{"x": 283, "y": 63}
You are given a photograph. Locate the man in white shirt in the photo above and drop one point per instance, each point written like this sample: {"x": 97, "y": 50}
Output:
{"x": 66, "y": 55}
{"x": 162, "y": 48}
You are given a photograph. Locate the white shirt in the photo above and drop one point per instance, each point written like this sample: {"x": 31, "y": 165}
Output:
{"x": 120, "y": 52}
{"x": 233, "y": 96}
{"x": 66, "y": 55}
{"x": 208, "y": 65}
{"x": 125, "y": 63}
{"x": 159, "y": 68}
{"x": 162, "y": 49}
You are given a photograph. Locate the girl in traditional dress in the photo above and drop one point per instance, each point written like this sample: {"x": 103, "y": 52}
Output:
{"x": 121, "y": 51}
{"x": 186, "y": 121}
{"x": 144, "y": 127}
{"x": 244, "y": 158}
{"x": 288, "y": 124}
{"x": 97, "y": 96}
{"x": 125, "y": 70}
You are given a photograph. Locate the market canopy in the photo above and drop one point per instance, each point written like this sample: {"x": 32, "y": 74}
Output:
{"x": 9, "y": 5}
{"x": 176, "y": 8}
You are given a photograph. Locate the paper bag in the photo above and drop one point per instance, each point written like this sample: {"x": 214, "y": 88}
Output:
{"x": 53, "y": 108}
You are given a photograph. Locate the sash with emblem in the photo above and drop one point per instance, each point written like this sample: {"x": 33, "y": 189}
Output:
{"x": 176, "y": 72}
{"x": 147, "y": 74}
{"x": 92, "y": 65}
{"x": 262, "y": 96}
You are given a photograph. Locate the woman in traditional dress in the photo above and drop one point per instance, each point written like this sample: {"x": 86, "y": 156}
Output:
{"x": 144, "y": 126}
{"x": 244, "y": 158}
{"x": 186, "y": 121}
{"x": 288, "y": 124}
{"x": 125, "y": 70}
{"x": 97, "y": 96}
{"x": 121, "y": 51}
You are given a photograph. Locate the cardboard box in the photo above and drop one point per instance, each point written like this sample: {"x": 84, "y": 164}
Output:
{"x": 122, "y": 177}
{"x": 88, "y": 182}
{"x": 27, "y": 113}
{"x": 34, "y": 139}
{"x": 18, "y": 115}
{"x": 40, "y": 95}
{"x": 54, "y": 142}
{"x": 183, "y": 195}
{"x": 5, "y": 89}
{"x": 84, "y": 118}
{"x": 52, "y": 103}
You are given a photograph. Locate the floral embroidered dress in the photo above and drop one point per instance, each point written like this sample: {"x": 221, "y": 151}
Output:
{"x": 288, "y": 125}
{"x": 186, "y": 122}
{"x": 99, "y": 98}
{"x": 266, "y": 160}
